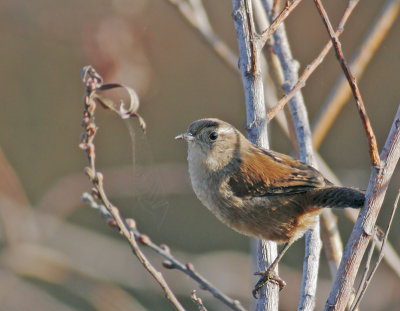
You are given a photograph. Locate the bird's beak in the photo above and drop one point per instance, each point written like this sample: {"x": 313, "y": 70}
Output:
{"x": 185, "y": 136}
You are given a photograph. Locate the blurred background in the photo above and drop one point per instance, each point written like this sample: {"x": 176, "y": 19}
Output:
{"x": 58, "y": 254}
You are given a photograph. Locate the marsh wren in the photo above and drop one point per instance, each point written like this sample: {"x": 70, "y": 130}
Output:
{"x": 258, "y": 192}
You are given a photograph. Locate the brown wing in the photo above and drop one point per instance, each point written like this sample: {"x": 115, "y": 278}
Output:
{"x": 271, "y": 173}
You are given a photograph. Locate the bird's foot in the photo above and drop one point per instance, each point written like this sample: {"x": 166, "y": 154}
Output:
{"x": 267, "y": 276}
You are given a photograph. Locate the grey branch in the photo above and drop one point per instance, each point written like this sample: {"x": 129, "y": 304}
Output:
{"x": 290, "y": 69}
{"x": 250, "y": 68}
{"x": 363, "y": 229}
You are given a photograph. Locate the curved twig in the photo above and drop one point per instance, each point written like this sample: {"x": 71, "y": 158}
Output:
{"x": 171, "y": 262}
{"x": 93, "y": 82}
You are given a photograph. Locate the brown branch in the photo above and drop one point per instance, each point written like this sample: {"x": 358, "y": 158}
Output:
{"x": 373, "y": 145}
{"x": 308, "y": 71}
{"x": 127, "y": 228}
{"x": 364, "y": 227}
{"x": 341, "y": 92}
{"x": 252, "y": 36}
{"x": 171, "y": 262}
{"x": 332, "y": 242}
{"x": 93, "y": 82}
{"x": 290, "y": 6}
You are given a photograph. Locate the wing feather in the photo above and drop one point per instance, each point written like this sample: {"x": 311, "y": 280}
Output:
{"x": 271, "y": 173}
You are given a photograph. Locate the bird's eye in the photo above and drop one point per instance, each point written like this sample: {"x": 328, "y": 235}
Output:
{"x": 213, "y": 135}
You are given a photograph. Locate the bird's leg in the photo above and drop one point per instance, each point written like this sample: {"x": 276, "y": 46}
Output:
{"x": 269, "y": 274}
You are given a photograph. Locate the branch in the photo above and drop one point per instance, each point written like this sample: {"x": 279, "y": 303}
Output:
{"x": 198, "y": 301}
{"x": 330, "y": 233}
{"x": 94, "y": 82}
{"x": 359, "y": 61}
{"x": 302, "y": 127}
{"x": 250, "y": 68}
{"x": 367, "y": 281}
{"x": 363, "y": 229}
{"x": 127, "y": 228}
{"x": 308, "y": 71}
{"x": 290, "y": 6}
{"x": 391, "y": 258}
{"x": 373, "y": 145}
{"x": 171, "y": 262}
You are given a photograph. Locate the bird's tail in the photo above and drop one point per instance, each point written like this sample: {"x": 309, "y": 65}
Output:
{"x": 337, "y": 197}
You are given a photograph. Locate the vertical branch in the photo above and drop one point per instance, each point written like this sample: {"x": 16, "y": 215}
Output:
{"x": 251, "y": 74}
{"x": 249, "y": 65}
{"x": 303, "y": 131}
{"x": 363, "y": 229}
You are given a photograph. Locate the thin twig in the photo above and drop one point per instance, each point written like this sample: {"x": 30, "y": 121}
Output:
{"x": 373, "y": 145}
{"x": 341, "y": 92}
{"x": 364, "y": 285}
{"x": 171, "y": 262}
{"x": 198, "y": 301}
{"x": 391, "y": 257}
{"x": 308, "y": 71}
{"x": 93, "y": 82}
{"x": 364, "y": 274}
{"x": 127, "y": 228}
{"x": 331, "y": 240}
{"x": 363, "y": 229}
{"x": 252, "y": 37}
{"x": 290, "y": 6}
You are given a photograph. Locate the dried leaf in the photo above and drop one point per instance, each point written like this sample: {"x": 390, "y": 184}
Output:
{"x": 106, "y": 102}
{"x": 123, "y": 111}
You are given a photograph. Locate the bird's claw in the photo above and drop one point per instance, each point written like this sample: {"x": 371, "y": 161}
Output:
{"x": 267, "y": 276}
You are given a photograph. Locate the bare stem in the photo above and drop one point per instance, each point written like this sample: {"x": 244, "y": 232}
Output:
{"x": 302, "y": 127}
{"x": 250, "y": 68}
{"x": 93, "y": 82}
{"x": 308, "y": 71}
{"x": 367, "y": 281}
{"x": 290, "y": 6}
{"x": 373, "y": 145}
{"x": 359, "y": 61}
{"x": 364, "y": 227}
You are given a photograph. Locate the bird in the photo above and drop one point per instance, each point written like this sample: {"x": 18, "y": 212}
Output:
{"x": 258, "y": 192}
